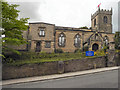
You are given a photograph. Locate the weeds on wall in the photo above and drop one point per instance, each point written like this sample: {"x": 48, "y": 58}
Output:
{"x": 38, "y": 57}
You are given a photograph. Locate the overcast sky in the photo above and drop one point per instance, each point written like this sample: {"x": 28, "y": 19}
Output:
{"x": 69, "y": 13}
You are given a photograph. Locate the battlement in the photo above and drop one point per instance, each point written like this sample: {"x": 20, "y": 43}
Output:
{"x": 106, "y": 11}
{"x": 101, "y": 12}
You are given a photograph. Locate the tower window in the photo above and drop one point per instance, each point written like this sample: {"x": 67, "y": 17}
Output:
{"x": 61, "y": 40}
{"x": 105, "y": 19}
{"x": 77, "y": 41}
{"x": 94, "y": 22}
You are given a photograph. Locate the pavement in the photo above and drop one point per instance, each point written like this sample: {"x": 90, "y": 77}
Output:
{"x": 55, "y": 76}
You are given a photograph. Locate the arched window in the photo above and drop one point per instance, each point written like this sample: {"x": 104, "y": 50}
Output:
{"x": 77, "y": 41}
{"x": 105, "y": 19}
{"x": 94, "y": 22}
{"x": 61, "y": 40}
{"x": 106, "y": 40}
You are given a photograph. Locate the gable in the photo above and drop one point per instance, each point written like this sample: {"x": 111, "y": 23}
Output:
{"x": 94, "y": 37}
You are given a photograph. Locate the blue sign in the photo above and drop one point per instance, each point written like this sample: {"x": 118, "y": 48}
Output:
{"x": 89, "y": 53}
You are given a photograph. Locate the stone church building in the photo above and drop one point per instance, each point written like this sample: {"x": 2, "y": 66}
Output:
{"x": 45, "y": 37}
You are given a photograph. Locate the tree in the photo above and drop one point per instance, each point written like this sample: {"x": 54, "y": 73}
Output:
{"x": 85, "y": 27}
{"x": 12, "y": 27}
{"x": 117, "y": 40}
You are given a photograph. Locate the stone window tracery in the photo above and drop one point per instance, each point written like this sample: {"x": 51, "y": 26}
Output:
{"x": 61, "y": 40}
{"x": 77, "y": 41}
{"x": 106, "y": 40}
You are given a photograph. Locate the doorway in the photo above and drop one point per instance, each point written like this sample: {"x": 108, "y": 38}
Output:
{"x": 95, "y": 47}
{"x": 38, "y": 46}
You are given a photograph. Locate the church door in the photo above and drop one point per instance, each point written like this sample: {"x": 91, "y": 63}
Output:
{"x": 95, "y": 47}
{"x": 38, "y": 46}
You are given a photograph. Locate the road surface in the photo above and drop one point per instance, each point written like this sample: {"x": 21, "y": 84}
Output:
{"x": 107, "y": 79}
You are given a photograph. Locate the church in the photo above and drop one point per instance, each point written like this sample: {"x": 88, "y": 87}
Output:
{"x": 46, "y": 37}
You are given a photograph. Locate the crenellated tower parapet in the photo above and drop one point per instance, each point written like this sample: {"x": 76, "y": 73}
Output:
{"x": 101, "y": 21}
{"x": 101, "y": 11}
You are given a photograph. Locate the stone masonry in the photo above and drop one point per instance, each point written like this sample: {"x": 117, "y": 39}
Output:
{"x": 45, "y": 37}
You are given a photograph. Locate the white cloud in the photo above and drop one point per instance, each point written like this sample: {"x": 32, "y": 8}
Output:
{"x": 70, "y": 13}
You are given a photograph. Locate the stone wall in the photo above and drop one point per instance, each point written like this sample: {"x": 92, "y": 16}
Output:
{"x": 29, "y": 70}
{"x": 84, "y": 64}
{"x": 35, "y": 37}
{"x": 47, "y": 68}
{"x": 70, "y": 37}
{"x": 113, "y": 58}
{"x": 69, "y": 44}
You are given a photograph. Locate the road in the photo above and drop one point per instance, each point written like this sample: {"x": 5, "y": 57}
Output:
{"x": 108, "y": 79}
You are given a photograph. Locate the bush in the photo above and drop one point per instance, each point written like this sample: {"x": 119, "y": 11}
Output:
{"x": 86, "y": 48}
{"x": 117, "y": 51}
{"x": 58, "y": 51}
{"x": 13, "y": 56}
{"x": 99, "y": 53}
{"x": 22, "y": 56}
{"x": 85, "y": 27}
{"x": 78, "y": 51}
{"x": 8, "y": 60}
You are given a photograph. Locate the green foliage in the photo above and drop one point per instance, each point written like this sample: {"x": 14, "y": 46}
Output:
{"x": 8, "y": 61}
{"x": 117, "y": 40}
{"x": 33, "y": 57}
{"x": 105, "y": 47}
{"x": 117, "y": 51}
{"x": 99, "y": 53}
{"x": 58, "y": 51}
{"x": 78, "y": 51}
{"x": 86, "y": 48}
{"x": 12, "y": 27}
{"x": 90, "y": 28}
{"x": 85, "y": 27}
{"x": 2, "y": 56}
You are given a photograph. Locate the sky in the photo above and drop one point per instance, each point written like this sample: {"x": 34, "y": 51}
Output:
{"x": 68, "y": 13}
{"x": 119, "y": 17}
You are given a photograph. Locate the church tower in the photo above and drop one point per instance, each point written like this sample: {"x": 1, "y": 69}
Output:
{"x": 101, "y": 21}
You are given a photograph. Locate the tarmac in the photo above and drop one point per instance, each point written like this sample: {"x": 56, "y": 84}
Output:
{"x": 56, "y": 76}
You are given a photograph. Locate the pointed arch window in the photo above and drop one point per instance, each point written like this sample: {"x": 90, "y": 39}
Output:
{"x": 106, "y": 40}
{"x": 77, "y": 41}
{"x": 61, "y": 40}
{"x": 105, "y": 19}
